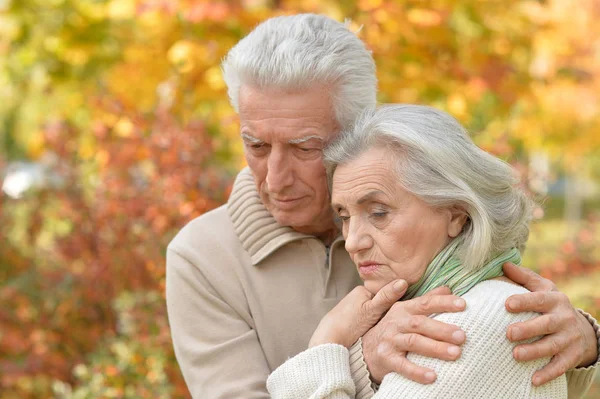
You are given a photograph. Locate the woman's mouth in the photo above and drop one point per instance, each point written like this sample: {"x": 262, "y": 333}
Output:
{"x": 366, "y": 268}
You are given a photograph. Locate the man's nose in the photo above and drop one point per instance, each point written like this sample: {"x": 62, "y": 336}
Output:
{"x": 357, "y": 236}
{"x": 280, "y": 173}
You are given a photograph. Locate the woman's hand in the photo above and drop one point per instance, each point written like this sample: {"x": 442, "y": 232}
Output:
{"x": 354, "y": 315}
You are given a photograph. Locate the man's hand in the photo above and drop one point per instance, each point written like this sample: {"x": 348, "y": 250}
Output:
{"x": 356, "y": 314}
{"x": 406, "y": 328}
{"x": 568, "y": 336}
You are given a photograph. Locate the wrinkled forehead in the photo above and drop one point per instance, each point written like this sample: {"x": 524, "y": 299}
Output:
{"x": 371, "y": 172}
{"x": 295, "y": 116}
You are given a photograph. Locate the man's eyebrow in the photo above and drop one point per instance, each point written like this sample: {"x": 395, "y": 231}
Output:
{"x": 251, "y": 139}
{"x": 304, "y": 139}
{"x": 369, "y": 196}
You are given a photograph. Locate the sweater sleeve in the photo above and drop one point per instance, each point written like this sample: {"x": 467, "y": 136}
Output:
{"x": 486, "y": 368}
{"x": 580, "y": 379}
{"x": 360, "y": 372}
{"x": 218, "y": 352}
{"x": 321, "y": 372}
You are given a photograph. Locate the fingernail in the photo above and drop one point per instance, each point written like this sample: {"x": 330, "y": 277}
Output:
{"x": 400, "y": 285}
{"x": 453, "y": 350}
{"x": 522, "y": 352}
{"x": 458, "y": 336}
{"x": 537, "y": 381}
{"x": 515, "y": 333}
{"x": 513, "y": 304}
{"x": 459, "y": 303}
{"x": 430, "y": 376}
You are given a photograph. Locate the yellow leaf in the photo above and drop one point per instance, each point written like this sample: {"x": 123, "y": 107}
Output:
{"x": 184, "y": 55}
{"x": 121, "y": 9}
{"x": 457, "y": 105}
{"x": 214, "y": 78}
{"x": 423, "y": 17}
{"x": 35, "y": 145}
{"x": 124, "y": 127}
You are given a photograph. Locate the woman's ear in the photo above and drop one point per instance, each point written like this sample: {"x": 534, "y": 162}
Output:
{"x": 458, "y": 218}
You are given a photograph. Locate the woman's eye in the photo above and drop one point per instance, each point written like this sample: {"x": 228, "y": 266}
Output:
{"x": 344, "y": 218}
{"x": 379, "y": 214}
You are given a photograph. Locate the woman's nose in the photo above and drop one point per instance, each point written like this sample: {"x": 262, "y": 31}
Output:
{"x": 357, "y": 236}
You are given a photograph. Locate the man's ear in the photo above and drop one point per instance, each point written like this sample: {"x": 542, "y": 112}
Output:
{"x": 458, "y": 218}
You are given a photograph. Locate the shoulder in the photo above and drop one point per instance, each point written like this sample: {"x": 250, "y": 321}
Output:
{"x": 486, "y": 306}
{"x": 206, "y": 234}
{"x": 492, "y": 292}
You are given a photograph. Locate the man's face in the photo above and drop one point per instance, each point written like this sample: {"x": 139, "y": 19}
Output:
{"x": 284, "y": 135}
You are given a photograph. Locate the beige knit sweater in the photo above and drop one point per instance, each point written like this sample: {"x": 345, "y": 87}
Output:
{"x": 486, "y": 368}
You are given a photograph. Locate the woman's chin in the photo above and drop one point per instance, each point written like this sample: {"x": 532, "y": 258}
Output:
{"x": 373, "y": 286}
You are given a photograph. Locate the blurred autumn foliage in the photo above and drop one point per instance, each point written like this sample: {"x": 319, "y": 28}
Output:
{"x": 121, "y": 107}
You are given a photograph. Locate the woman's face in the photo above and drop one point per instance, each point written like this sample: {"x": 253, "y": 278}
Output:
{"x": 389, "y": 232}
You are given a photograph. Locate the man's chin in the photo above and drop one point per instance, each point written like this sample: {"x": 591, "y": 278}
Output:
{"x": 286, "y": 218}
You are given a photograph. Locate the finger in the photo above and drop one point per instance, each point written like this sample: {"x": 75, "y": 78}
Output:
{"x": 542, "y": 302}
{"x": 387, "y": 296}
{"x": 527, "y": 278}
{"x": 434, "y": 329}
{"x": 557, "y": 367}
{"x": 427, "y": 305}
{"x": 548, "y": 346}
{"x": 401, "y": 365}
{"x": 439, "y": 291}
{"x": 424, "y": 346}
{"x": 538, "y": 326}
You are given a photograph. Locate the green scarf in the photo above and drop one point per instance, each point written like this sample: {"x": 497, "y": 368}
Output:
{"x": 446, "y": 269}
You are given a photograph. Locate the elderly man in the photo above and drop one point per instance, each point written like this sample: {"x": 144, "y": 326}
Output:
{"x": 247, "y": 283}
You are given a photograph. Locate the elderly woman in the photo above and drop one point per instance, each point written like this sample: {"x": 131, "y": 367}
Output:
{"x": 418, "y": 201}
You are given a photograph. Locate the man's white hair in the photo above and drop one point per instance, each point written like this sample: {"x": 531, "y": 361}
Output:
{"x": 300, "y": 51}
{"x": 439, "y": 163}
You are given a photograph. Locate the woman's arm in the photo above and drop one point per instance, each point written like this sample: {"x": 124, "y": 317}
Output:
{"x": 323, "y": 371}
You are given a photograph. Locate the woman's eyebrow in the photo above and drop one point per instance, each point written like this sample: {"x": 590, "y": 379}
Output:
{"x": 369, "y": 196}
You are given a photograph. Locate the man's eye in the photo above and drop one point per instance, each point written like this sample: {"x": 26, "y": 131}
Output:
{"x": 256, "y": 146}
{"x": 308, "y": 150}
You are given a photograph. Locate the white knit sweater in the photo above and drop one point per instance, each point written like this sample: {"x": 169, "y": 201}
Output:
{"x": 486, "y": 368}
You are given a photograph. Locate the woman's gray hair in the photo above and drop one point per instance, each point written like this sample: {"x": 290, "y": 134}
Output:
{"x": 299, "y": 51}
{"x": 440, "y": 164}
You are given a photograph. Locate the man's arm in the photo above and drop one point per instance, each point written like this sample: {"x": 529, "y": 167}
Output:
{"x": 570, "y": 337}
{"x": 218, "y": 352}
{"x": 580, "y": 379}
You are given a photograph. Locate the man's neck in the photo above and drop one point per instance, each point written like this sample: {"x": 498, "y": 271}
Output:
{"x": 326, "y": 234}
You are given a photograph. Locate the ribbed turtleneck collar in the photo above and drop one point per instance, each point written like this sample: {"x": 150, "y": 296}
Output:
{"x": 256, "y": 228}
